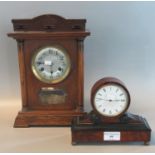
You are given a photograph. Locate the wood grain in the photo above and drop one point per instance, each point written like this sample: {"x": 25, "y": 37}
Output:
{"x": 39, "y": 32}
{"x": 86, "y": 130}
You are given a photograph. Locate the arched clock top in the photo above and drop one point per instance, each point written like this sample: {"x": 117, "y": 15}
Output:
{"x": 51, "y": 17}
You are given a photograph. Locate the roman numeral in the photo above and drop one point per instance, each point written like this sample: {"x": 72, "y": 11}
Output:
{"x": 60, "y": 69}
{"x": 63, "y": 63}
{"x": 39, "y": 63}
{"x": 50, "y": 51}
{"x": 100, "y": 106}
{"x": 61, "y": 57}
{"x": 42, "y": 69}
{"x": 110, "y": 112}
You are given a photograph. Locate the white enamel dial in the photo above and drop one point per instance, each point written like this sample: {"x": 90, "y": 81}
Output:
{"x": 51, "y": 64}
{"x": 111, "y": 100}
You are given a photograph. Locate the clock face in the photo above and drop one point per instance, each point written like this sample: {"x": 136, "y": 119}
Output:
{"x": 51, "y": 64}
{"x": 111, "y": 100}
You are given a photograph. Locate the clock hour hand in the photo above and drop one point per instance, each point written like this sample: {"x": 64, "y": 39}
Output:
{"x": 40, "y": 63}
{"x": 102, "y": 99}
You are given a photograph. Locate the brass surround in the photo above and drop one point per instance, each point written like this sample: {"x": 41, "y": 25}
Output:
{"x": 51, "y": 81}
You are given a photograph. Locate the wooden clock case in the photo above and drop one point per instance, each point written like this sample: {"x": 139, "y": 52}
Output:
{"x": 42, "y": 31}
{"x": 91, "y": 128}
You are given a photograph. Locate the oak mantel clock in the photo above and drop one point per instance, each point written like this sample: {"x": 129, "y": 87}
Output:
{"x": 50, "y": 50}
{"x": 109, "y": 120}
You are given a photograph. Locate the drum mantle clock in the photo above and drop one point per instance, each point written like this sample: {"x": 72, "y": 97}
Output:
{"x": 109, "y": 121}
{"x": 50, "y": 50}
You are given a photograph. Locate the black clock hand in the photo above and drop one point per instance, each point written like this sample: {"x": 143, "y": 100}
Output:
{"x": 40, "y": 63}
{"x": 102, "y": 99}
{"x": 113, "y": 100}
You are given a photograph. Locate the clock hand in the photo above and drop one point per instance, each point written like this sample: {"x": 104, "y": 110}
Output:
{"x": 102, "y": 99}
{"x": 113, "y": 100}
{"x": 40, "y": 63}
{"x": 52, "y": 64}
{"x": 110, "y": 100}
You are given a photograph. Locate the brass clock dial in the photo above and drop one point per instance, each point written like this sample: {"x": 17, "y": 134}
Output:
{"x": 51, "y": 64}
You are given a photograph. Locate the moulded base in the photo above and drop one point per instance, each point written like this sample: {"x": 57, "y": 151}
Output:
{"x": 132, "y": 129}
{"x": 45, "y": 118}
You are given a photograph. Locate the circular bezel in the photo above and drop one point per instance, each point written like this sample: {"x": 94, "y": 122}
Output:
{"x": 51, "y": 81}
{"x": 104, "y": 82}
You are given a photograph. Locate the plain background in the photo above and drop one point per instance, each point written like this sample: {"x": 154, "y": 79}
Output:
{"x": 122, "y": 44}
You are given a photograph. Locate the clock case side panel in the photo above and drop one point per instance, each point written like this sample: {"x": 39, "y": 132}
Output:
{"x": 20, "y": 121}
{"x": 80, "y": 51}
{"x": 22, "y": 69}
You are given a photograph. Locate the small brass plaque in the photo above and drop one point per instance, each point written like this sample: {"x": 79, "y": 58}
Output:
{"x": 52, "y": 96}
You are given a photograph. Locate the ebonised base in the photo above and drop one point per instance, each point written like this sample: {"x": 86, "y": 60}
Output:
{"x": 130, "y": 128}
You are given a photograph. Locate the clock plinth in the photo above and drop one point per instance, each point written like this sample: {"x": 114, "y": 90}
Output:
{"x": 91, "y": 129}
{"x": 50, "y": 52}
{"x": 45, "y": 118}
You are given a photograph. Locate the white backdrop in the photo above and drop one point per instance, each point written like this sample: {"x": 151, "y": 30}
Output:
{"x": 122, "y": 44}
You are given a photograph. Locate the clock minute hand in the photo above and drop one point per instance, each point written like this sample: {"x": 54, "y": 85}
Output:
{"x": 115, "y": 100}
{"x": 102, "y": 99}
{"x": 107, "y": 99}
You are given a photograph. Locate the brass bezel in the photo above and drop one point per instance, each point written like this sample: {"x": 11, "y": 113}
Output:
{"x": 41, "y": 78}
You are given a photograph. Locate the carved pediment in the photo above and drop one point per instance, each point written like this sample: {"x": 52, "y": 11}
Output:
{"x": 49, "y": 22}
